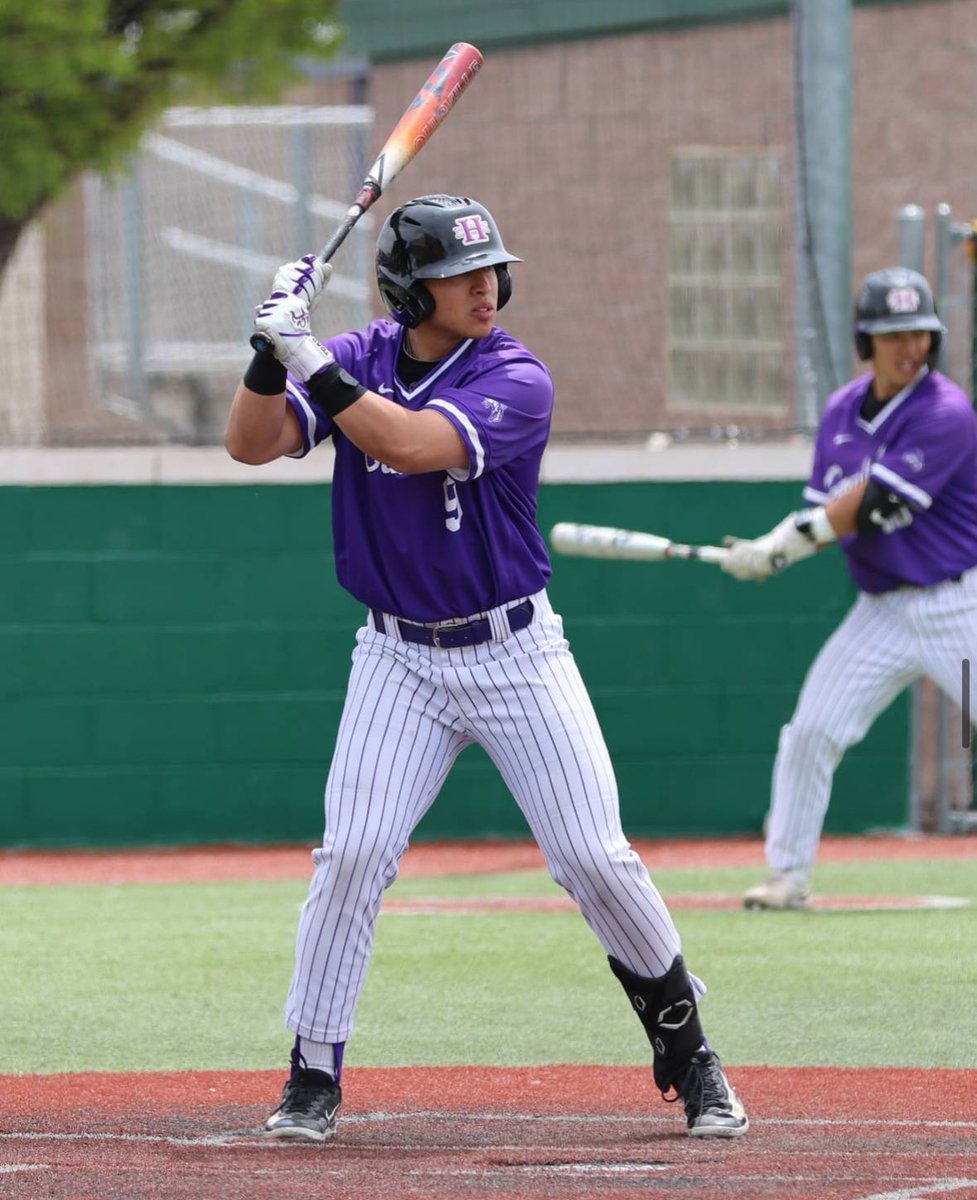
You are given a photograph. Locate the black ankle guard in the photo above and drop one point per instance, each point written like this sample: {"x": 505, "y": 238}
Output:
{"x": 666, "y": 1007}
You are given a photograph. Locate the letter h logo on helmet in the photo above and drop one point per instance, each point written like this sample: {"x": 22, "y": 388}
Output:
{"x": 903, "y": 300}
{"x": 472, "y": 229}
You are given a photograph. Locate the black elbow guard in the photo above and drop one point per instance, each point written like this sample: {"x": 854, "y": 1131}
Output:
{"x": 882, "y": 511}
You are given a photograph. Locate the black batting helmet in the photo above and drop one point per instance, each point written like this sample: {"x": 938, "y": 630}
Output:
{"x": 436, "y": 237}
{"x": 891, "y": 301}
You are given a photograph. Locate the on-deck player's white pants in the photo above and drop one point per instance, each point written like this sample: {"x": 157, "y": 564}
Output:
{"x": 883, "y": 644}
{"x": 410, "y": 710}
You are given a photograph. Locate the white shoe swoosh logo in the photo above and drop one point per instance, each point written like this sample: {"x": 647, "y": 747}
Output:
{"x": 384, "y": 390}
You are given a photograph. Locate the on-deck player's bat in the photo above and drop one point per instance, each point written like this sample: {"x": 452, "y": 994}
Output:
{"x": 423, "y": 115}
{"x": 603, "y": 541}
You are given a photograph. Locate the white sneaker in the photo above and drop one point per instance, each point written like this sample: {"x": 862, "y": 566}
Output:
{"x": 779, "y": 892}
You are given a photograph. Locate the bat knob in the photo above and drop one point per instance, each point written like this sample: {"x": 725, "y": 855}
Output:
{"x": 261, "y": 344}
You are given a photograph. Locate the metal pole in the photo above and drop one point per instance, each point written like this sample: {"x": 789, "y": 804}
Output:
{"x": 944, "y": 765}
{"x": 911, "y": 228}
{"x": 946, "y": 235}
{"x": 912, "y": 237}
{"x": 135, "y": 292}
{"x": 251, "y": 282}
{"x": 822, "y": 201}
{"x": 305, "y": 242}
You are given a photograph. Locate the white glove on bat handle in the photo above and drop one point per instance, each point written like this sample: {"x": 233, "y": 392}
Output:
{"x": 305, "y": 279}
{"x": 797, "y": 536}
{"x": 282, "y": 322}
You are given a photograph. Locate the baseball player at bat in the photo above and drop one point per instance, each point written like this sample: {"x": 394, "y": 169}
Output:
{"x": 894, "y": 482}
{"x": 439, "y": 419}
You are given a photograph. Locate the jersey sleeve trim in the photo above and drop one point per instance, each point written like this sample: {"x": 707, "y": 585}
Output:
{"x": 306, "y": 418}
{"x": 912, "y": 493}
{"x": 469, "y": 432}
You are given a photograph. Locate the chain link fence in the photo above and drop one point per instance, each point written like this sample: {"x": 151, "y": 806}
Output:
{"x": 149, "y": 280}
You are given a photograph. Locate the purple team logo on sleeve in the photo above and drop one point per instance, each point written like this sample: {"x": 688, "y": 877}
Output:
{"x": 495, "y": 410}
{"x": 472, "y": 229}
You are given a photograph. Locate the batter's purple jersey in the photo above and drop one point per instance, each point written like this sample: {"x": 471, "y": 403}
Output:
{"x": 447, "y": 543}
{"x": 922, "y": 446}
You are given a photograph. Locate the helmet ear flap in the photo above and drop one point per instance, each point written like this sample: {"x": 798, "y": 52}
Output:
{"x": 505, "y": 284}
{"x": 420, "y": 305}
{"x": 408, "y": 306}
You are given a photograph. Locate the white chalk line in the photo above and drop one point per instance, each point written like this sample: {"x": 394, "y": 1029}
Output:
{"x": 938, "y": 1187}
{"x": 602, "y": 1120}
{"x": 917, "y": 1192}
{"x": 607, "y": 1168}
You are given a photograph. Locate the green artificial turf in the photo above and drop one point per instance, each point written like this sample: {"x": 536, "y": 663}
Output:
{"x": 193, "y": 976}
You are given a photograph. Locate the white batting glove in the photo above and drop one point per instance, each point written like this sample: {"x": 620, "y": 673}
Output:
{"x": 759, "y": 558}
{"x": 284, "y": 321}
{"x": 306, "y": 278}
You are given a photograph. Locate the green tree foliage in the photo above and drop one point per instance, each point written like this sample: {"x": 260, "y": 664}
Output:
{"x": 81, "y": 79}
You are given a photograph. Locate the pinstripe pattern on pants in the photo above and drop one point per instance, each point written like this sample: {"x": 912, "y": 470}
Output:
{"x": 409, "y": 713}
{"x": 884, "y": 643}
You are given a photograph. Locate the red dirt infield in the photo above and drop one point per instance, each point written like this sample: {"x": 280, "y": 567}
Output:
{"x": 519, "y": 1134}
{"x": 210, "y": 864}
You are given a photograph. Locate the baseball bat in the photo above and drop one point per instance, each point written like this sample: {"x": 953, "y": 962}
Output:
{"x": 421, "y": 117}
{"x": 603, "y": 541}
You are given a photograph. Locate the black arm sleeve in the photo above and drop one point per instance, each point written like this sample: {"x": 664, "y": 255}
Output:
{"x": 882, "y": 511}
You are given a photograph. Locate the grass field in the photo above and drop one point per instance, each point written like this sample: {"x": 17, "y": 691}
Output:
{"x": 193, "y": 976}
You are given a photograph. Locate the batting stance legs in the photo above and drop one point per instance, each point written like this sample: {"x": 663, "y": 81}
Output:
{"x": 409, "y": 713}
{"x": 413, "y": 710}
{"x": 884, "y": 643}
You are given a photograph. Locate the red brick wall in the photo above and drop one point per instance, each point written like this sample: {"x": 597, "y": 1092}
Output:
{"x": 568, "y": 145}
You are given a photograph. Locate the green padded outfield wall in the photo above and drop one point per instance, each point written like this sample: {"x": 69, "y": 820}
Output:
{"x": 174, "y": 660}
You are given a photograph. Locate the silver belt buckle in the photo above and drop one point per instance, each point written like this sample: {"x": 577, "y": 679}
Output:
{"x": 457, "y": 623}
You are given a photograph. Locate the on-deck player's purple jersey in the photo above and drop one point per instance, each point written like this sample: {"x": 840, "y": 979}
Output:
{"x": 446, "y": 543}
{"x": 922, "y": 445}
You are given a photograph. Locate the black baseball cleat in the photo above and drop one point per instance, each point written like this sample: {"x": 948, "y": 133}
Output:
{"x": 309, "y": 1107}
{"x": 712, "y": 1107}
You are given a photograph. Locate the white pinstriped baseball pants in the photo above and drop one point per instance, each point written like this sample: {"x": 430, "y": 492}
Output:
{"x": 884, "y": 643}
{"x": 410, "y": 710}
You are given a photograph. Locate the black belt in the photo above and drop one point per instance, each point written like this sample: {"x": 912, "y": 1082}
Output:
{"x": 900, "y": 587}
{"x": 448, "y": 635}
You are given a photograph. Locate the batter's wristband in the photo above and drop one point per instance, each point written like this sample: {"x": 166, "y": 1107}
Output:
{"x": 334, "y": 389}
{"x": 265, "y": 375}
{"x": 814, "y": 524}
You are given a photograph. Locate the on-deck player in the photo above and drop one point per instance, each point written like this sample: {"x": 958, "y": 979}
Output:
{"x": 439, "y": 420}
{"x": 894, "y": 480}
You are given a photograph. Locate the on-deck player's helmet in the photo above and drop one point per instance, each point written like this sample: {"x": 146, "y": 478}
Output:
{"x": 436, "y": 237}
{"x": 891, "y": 301}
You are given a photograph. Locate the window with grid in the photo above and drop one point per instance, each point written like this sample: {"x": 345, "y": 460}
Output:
{"x": 725, "y": 285}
